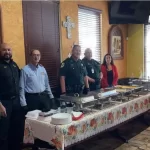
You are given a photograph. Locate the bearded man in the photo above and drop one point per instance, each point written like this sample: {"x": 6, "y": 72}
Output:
{"x": 10, "y": 116}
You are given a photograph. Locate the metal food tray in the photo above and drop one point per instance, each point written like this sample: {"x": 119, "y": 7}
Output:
{"x": 79, "y": 100}
{"x": 144, "y": 82}
{"x": 133, "y": 87}
{"x": 96, "y": 96}
{"x": 141, "y": 80}
{"x": 130, "y": 90}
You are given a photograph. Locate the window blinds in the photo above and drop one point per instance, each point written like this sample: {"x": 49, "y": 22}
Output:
{"x": 147, "y": 51}
{"x": 89, "y": 22}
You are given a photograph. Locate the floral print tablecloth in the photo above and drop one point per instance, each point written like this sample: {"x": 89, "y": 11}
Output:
{"x": 64, "y": 135}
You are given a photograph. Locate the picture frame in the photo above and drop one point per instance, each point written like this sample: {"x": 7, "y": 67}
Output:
{"x": 115, "y": 42}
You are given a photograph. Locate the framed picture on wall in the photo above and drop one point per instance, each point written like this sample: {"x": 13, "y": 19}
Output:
{"x": 115, "y": 39}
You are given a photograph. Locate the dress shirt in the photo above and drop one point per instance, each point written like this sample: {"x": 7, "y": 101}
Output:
{"x": 34, "y": 79}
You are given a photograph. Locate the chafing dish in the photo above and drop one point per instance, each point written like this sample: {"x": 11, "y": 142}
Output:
{"x": 103, "y": 98}
{"x": 80, "y": 101}
{"x": 94, "y": 98}
{"x": 142, "y": 82}
{"x": 126, "y": 90}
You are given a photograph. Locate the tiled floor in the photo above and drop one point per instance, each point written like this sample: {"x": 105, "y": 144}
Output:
{"x": 139, "y": 142}
{"x": 136, "y": 132}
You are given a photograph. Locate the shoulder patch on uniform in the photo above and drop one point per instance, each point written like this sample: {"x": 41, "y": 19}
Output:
{"x": 5, "y": 66}
{"x": 62, "y": 65}
{"x": 14, "y": 65}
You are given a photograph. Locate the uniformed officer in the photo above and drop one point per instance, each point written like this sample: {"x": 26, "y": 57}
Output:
{"x": 35, "y": 91}
{"x": 73, "y": 75}
{"x": 93, "y": 70}
{"x": 10, "y": 118}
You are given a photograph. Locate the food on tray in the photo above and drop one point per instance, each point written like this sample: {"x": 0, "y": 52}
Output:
{"x": 125, "y": 87}
{"x": 121, "y": 90}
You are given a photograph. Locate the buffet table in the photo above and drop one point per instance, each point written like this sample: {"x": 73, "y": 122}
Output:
{"x": 93, "y": 123}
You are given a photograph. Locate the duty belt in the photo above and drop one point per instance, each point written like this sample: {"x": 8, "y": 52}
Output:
{"x": 74, "y": 88}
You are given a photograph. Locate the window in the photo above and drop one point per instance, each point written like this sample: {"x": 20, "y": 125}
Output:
{"x": 147, "y": 50}
{"x": 90, "y": 31}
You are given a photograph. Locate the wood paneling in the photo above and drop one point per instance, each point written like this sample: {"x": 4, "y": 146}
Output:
{"x": 41, "y": 30}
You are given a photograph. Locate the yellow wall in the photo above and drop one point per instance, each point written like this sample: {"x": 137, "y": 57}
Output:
{"x": 12, "y": 29}
{"x": 71, "y": 8}
{"x": 135, "y": 53}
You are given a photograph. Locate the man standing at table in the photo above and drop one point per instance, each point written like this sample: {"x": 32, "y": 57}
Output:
{"x": 73, "y": 75}
{"x": 93, "y": 70}
{"x": 10, "y": 118}
{"x": 35, "y": 91}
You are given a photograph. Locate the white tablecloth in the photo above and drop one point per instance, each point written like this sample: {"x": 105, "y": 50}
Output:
{"x": 64, "y": 135}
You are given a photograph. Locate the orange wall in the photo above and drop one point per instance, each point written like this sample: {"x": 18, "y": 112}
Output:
{"x": 12, "y": 28}
{"x": 71, "y": 8}
{"x": 135, "y": 50}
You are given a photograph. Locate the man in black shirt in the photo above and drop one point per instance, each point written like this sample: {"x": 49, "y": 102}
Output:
{"x": 10, "y": 118}
{"x": 93, "y": 70}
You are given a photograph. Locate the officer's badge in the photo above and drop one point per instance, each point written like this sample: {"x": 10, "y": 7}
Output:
{"x": 5, "y": 66}
{"x": 14, "y": 65}
{"x": 81, "y": 64}
{"x": 62, "y": 65}
{"x": 92, "y": 70}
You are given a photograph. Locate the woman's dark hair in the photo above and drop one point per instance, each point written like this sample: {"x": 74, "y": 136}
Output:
{"x": 104, "y": 61}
